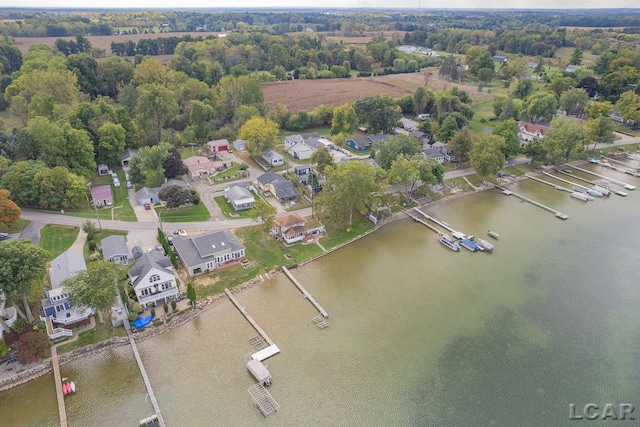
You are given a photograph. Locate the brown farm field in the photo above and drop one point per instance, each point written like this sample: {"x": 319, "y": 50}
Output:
{"x": 363, "y": 39}
{"x": 102, "y": 42}
{"x": 306, "y": 95}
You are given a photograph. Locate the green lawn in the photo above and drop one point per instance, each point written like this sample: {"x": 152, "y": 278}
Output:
{"x": 228, "y": 210}
{"x": 187, "y": 152}
{"x": 300, "y": 252}
{"x": 121, "y": 210}
{"x": 481, "y": 111}
{"x": 99, "y": 333}
{"x": 99, "y": 236}
{"x": 20, "y": 225}
{"x": 337, "y": 236}
{"x": 191, "y": 213}
{"x": 57, "y": 238}
{"x": 231, "y": 174}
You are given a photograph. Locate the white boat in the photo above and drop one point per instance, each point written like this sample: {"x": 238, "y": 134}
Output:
{"x": 484, "y": 245}
{"x": 449, "y": 242}
{"x": 493, "y": 234}
{"x": 581, "y": 196}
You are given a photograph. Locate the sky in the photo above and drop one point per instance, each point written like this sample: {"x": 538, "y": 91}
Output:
{"x": 381, "y": 4}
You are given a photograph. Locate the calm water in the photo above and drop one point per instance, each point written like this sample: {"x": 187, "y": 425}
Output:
{"x": 418, "y": 336}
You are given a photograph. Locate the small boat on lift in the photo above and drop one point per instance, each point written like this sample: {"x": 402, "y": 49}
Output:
{"x": 493, "y": 234}
{"x": 449, "y": 242}
{"x": 483, "y": 245}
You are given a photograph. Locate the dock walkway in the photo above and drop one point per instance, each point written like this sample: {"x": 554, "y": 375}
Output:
{"x": 557, "y": 187}
{"x": 557, "y": 213}
{"x": 248, "y": 317}
{"x": 62, "y": 411}
{"x": 615, "y": 181}
{"x": 145, "y": 378}
{"x": 420, "y": 220}
{"x": 306, "y": 294}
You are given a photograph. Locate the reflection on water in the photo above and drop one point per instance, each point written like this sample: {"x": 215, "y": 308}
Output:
{"x": 418, "y": 335}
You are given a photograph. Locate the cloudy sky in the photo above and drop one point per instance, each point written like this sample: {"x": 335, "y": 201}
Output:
{"x": 414, "y": 4}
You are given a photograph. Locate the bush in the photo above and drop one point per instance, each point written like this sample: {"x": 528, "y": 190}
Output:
{"x": 31, "y": 347}
{"x": 153, "y": 312}
{"x": 137, "y": 308}
{"x": 195, "y": 200}
{"x": 93, "y": 245}
{"x": 173, "y": 305}
{"x": 166, "y": 308}
{"x": 20, "y": 326}
{"x": 3, "y": 348}
{"x": 133, "y": 316}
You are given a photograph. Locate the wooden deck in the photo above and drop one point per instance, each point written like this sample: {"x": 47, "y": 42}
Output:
{"x": 248, "y": 317}
{"x": 557, "y": 213}
{"x": 306, "y": 294}
{"x": 615, "y": 181}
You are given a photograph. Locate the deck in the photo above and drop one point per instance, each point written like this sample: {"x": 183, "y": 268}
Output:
{"x": 306, "y": 294}
{"x": 557, "y": 213}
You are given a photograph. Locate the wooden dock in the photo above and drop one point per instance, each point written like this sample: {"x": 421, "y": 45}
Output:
{"x": 618, "y": 192}
{"x": 557, "y": 213}
{"x": 249, "y": 318}
{"x": 306, "y": 294}
{"x": 557, "y": 187}
{"x": 608, "y": 164}
{"x": 618, "y": 161}
{"x": 62, "y": 411}
{"x": 442, "y": 224}
{"x": 420, "y": 220}
{"x": 145, "y": 378}
{"x": 615, "y": 181}
{"x": 263, "y": 400}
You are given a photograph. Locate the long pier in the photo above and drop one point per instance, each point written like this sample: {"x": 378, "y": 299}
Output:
{"x": 533, "y": 202}
{"x": 248, "y": 317}
{"x": 420, "y": 220}
{"x": 62, "y": 411}
{"x": 306, "y": 294}
{"x": 617, "y": 161}
{"x": 437, "y": 221}
{"x": 557, "y": 187}
{"x": 576, "y": 177}
{"x": 566, "y": 181}
{"x": 615, "y": 181}
{"x": 145, "y": 378}
{"x": 618, "y": 169}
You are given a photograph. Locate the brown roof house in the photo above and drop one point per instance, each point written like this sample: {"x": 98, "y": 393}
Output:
{"x": 102, "y": 196}
{"x": 290, "y": 228}
{"x": 531, "y": 132}
{"x": 200, "y": 167}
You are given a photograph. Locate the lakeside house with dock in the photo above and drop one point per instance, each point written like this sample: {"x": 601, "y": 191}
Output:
{"x": 153, "y": 279}
{"x": 209, "y": 251}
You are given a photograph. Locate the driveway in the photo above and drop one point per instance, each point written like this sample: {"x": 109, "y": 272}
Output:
{"x": 32, "y": 231}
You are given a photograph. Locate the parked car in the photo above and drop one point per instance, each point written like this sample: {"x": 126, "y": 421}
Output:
{"x": 4, "y": 236}
{"x": 129, "y": 184}
{"x": 147, "y": 206}
{"x": 170, "y": 240}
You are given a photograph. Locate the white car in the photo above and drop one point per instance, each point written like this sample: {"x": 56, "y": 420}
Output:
{"x": 424, "y": 116}
{"x": 116, "y": 182}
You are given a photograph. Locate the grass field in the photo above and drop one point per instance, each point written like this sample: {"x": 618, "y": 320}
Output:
{"x": 57, "y": 238}
{"x": 228, "y": 210}
{"x": 482, "y": 111}
{"x": 191, "y": 213}
{"x": 337, "y": 236}
{"x": 99, "y": 333}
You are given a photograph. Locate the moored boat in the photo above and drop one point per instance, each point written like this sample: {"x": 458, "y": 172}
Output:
{"x": 469, "y": 245}
{"x": 449, "y": 242}
{"x": 493, "y": 234}
{"x": 484, "y": 245}
{"x": 593, "y": 192}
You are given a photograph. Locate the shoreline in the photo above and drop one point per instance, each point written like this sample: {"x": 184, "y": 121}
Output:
{"x": 201, "y": 305}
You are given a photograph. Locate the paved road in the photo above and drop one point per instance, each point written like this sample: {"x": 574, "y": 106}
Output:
{"x": 32, "y": 231}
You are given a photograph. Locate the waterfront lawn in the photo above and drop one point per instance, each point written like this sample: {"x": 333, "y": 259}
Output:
{"x": 191, "y": 213}
{"x": 228, "y": 210}
{"x": 92, "y": 336}
{"x": 20, "y": 225}
{"x": 300, "y": 252}
{"x": 58, "y": 238}
{"x": 337, "y": 236}
{"x": 101, "y": 234}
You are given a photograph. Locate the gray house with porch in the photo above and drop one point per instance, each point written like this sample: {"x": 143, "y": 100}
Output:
{"x": 207, "y": 252}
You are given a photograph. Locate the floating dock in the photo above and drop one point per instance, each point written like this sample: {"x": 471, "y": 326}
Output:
{"x": 249, "y": 318}
{"x": 455, "y": 233}
{"x": 265, "y": 353}
{"x": 263, "y": 400}
{"x": 597, "y": 183}
{"x": 615, "y": 181}
{"x": 602, "y": 190}
{"x": 617, "y": 168}
{"x": 420, "y": 220}
{"x": 306, "y": 294}
{"x": 557, "y": 213}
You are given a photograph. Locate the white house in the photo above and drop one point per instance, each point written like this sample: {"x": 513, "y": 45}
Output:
{"x": 153, "y": 279}
{"x": 531, "y": 132}
{"x": 206, "y": 252}
{"x": 273, "y": 158}
{"x": 114, "y": 249}
{"x": 239, "y": 197}
{"x": 434, "y": 154}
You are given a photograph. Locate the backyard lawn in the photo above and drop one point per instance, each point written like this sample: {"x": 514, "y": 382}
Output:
{"x": 337, "y": 236}
{"x": 229, "y": 211}
{"x": 482, "y": 111}
{"x": 58, "y": 238}
{"x": 191, "y": 213}
{"x": 97, "y": 334}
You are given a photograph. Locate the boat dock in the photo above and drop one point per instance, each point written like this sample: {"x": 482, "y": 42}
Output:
{"x": 618, "y": 161}
{"x": 604, "y": 191}
{"x": 145, "y": 378}
{"x": 306, "y": 294}
{"x": 263, "y": 400}
{"x": 533, "y": 202}
{"x": 442, "y": 224}
{"x": 62, "y": 411}
{"x": 420, "y": 220}
{"x": 249, "y": 318}
{"x": 617, "y": 168}
{"x": 618, "y": 192}
{"x": 615, "y": 181}
{"x": 557, "y": 187}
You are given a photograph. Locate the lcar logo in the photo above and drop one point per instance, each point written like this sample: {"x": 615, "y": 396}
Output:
{"x": 610, "y": 411}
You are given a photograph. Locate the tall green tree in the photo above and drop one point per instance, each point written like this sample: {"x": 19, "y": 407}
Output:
{"x": 447, "y": 129}
{"x": 388, "y": 150}
{"x": 541, "y": 106}
{"x": 264, "y": 213}
{"x": 156, "y": 107}
{"x": 509, "y": 131}
{"x": 344, "y": 119}
{"x": 95, "y": 287}
{"x": 19, "y": 179}
{"x": 191, "y": 294}
{"x": 59, "y": 189}
{"x": 409, "y": 171}
{"x": 21, "y": 272}
{"x": 321, "y": 159}
{"x": 461, "y": 144}
{"x": 153, "y": 158}
{"x": 576, "y": 57}
{"x": 486, "y": 154}
{"x": 111, "y": 143}
{"x": 573, "y": 100}
{"x": 564, "y": 140}
{"x": 259, "y": 134}
{"x": 380, "y": 112}
{"x": 599, "y": 129}
{"x": 422, "y": 100}
{"x": 629, "y": 106}
{"x": 137, "y": 174}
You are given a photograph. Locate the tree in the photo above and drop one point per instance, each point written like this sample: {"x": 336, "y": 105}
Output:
{"x": 137, "y": 174}
{"x": 19, "y": 179}
{"x": 32, "y": 346}
{"x": 599, "y": 129}
{"x": 422, "y": 100}
{"x": 153, "y": 158}
{"x": 21, "y": 272}
{"x": 115, "y": 72}
{"x": 111, "y": 143}
{"x": 58, "y": 188}
{"x": 596, "y": 109}
{"x": 590, "y": 84}
{"x": 564, "y": 140}
{"x": 264, "y": 213}
{"x": 461, "y": 144}
{"x": 175, "y": 196}
{"x": 344, "y": 119}
{"x": 411, "y": 170}
{"x": 486, "y": 154}
{"x": 259, "y": 135}
{"x": 156, "y": 106}
{"x": 380, "y": 112}
{"x": 573, "y": 100}
{"x": 350, "y": 186}
{"x": 173, "y": 165}
{"x": 191, "y": 294}
{"x": 9, "y": 211}
{"x": 395, "y": 145}
{"x": 629, "y": 106}
{"x": 94, "y": 287}
{"x": 509, "y": 131}
{"x": 576, "y": 57}
{"x": 321, "y": 159}
{"x": 535, "y": 151}
{"x": 521, "y": 88}
{"x": 447, "y": 129}
{"x": 541, "y": 106}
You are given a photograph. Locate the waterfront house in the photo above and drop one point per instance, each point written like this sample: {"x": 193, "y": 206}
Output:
{"x": 434, "y": 154}
{"x": 278, "y": 186}
{"x": 531, "y": 132}
{"x": 218, "y": 145}
{"x": 289, "y": 228}
{"x": 127, "y": 155}
{"x": 153, "y": 279}
{"x": 273, "y": 158}
{"x": 239, "y": 197}
{"x": 207, "y": 252}
{"x": 114, "y": 249}
{"x": 101, "y": 196}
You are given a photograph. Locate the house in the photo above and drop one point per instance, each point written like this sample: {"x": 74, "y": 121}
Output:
{"x": 239, "y": 197}
{"x": 103, "y": 169}
{"x": 302, "y": 170}
{"x": 218, "y": 145}
{"x": 102, "y": 196}
{"x": 359, "y": 144}
{"x": 434, "y": 154}
{"x": 571, "y": 68}
{"x": 499, "y": 59}
{"x": 199, "y": 167}
{"x": 273, "y": 158}
{"x": 114, "y": 249}
{"x": 127, "y": 155}
{"x": 153, "y": 280}
{"x": 408, "y": 124}
{"x": 291, "y": 140}
{"x": 239, "y": 145}
{"x": 148, "y": 195}
{"x": 207, "y": 252}
{"x": 407, "y": 48}
{"x": 420, "y": 136}
{"x": 56, "y": 305}
{"x": 531, "y": 132}
{"x": 279, "y": 186}
{"x": 444, "y": 149}
{"x": 180, "y": 183}
{"x": 316, "y": 142}
{"x": 381, "y": 137}
{"x": 300, "y": 151}
{"x": 290, "y": 228}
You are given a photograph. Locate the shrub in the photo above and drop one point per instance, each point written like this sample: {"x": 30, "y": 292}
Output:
{"x": 195, "y": 200}
{"x": 166, "y": 308}
{"x": 3, "y": 348}
{"x": 133, "y": 316}
{"x": 20, "y": 326}
{"x": 93, "y": 245}
{"x": 31, "y": 347}
{"x": 137, "y": 308}
{"x": 173, "y": 305}
{"x": 153, "y": 312}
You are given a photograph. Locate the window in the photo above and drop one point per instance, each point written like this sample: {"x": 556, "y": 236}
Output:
{"x": 154, "y": 278}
